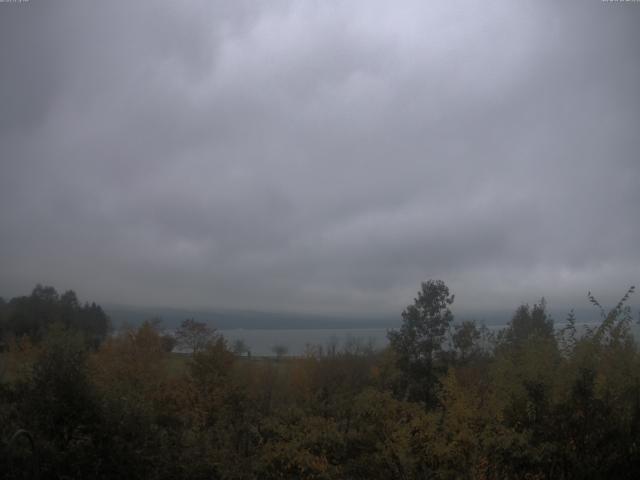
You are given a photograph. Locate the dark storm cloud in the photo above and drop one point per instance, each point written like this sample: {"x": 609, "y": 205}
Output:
{"x": 319, "y": 156}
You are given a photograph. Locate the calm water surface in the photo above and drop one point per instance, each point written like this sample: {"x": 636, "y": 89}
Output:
{"x": 296, "y": 341}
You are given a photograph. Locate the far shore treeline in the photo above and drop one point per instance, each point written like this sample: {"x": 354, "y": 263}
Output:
{"x": 445, "y": 399}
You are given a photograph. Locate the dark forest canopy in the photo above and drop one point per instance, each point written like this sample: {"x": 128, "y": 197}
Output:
{"x": 444, "y": 400}
{"x": 32, "y": 315}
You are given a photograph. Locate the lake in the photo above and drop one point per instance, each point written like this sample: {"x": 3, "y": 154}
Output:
{"x": 261, "y": 341}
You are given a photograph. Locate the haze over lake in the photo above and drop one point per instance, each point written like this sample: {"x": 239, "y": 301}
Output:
{"x": 298, "y": 341}
{"x": 261, "y": 331}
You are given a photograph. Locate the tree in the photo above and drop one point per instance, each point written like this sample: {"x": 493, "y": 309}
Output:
{"x": 418, "y": 344}
{"x": 94, "y": 323}
{"x": 4, "y": 312}
{"x": 210, "y": 367}
{"x": 466, "y": 340}
{"x": 194, "y": 336}
{"x": 240, "y": 348}
{"x": 279, "y": 351}
{"x": 169, "y": 342}
{"x": 60, "y": 407}
{"x": 529, "y": 322}
{"x": 33, "y": 315}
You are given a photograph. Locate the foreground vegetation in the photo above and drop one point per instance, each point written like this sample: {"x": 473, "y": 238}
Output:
{"x": 445, "y": 400}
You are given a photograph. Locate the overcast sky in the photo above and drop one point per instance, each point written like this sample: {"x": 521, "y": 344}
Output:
{"x": 320, "y": 156}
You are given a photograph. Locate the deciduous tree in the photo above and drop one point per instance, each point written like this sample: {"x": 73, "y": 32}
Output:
{"x": 194, "y": 336}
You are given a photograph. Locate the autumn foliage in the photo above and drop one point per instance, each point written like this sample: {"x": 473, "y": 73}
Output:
{"x": 446, "y": 400}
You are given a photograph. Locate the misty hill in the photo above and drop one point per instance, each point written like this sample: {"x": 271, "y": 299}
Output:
{"x": 224, "y": 319}
{"x": 247, "y": 319}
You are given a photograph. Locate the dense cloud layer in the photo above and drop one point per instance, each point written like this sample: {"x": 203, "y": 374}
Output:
{"x": 320, "y": 156}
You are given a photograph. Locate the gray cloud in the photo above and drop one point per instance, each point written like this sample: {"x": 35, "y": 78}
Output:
{"x": 319, "y": 156}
